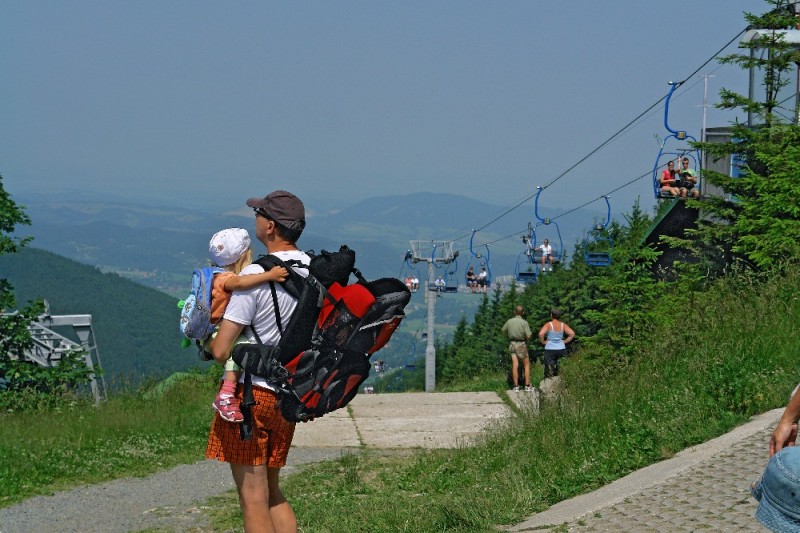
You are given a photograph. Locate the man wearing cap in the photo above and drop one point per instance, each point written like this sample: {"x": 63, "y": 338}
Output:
{"x": 256, "y": 463}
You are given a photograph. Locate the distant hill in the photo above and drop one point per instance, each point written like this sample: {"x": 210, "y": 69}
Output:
{"x": 159, "y": 246}
{"x": 136, "y": 327}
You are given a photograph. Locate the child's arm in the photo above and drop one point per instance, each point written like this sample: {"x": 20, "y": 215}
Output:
{"x": 248, "y": 281}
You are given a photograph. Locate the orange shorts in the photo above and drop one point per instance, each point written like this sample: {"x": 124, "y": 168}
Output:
{"x": 272, "y": 435}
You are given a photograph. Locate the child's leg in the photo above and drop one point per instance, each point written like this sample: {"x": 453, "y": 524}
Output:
{"x": 230, "y": 377}
{"x": 226, "y": 403}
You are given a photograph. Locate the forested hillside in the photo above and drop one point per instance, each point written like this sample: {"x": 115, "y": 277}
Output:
{"x": 136, "y": 327}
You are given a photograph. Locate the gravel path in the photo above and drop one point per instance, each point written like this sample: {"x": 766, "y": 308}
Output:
{"x": 172, "y": 500}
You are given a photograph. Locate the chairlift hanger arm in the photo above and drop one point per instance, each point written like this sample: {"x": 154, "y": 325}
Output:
{"x": 454, "y": 267}
{"x": 536, "y": 204}
{"x": 672, "y": 86}
{"x": 608, "y": 213}
{"x": 471, "y": 248}
{"x": 488, "y": 264}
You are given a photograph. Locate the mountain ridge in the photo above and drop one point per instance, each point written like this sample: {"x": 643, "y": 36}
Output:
{"x": 158, "y": 245}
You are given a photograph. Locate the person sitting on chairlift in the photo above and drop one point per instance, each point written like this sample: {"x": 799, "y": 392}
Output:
{"x": 688, "y": 180}
{"x": 482, "y": 278}
{"x": 472, "y": 280}
{"x": 439, "y": 284}
{"x": 547, "y": 255}
{"x": 669, "y": 180}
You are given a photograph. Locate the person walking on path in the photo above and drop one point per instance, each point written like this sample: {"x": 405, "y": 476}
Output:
{"x": 519, "y": 333}
{"x": 256, "y": 463}
{"x": 555, "y": 343}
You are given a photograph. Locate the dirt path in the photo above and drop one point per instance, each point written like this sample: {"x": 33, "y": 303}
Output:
{"x": 169, "y": 500}
{"x": 172, "y": 500}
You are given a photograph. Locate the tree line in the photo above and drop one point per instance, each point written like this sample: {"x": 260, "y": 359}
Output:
{"x": 753, "y": 226}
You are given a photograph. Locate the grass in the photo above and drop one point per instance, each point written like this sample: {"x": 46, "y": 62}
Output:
{"x": 685, "y": 386}
{"x": 130, "y": 435}
{"x": 732, "y": 355}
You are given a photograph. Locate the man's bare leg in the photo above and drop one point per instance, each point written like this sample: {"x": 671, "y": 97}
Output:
{"x": 264, "y": 508}
{"x": 526, "y": 363}
{"x": 514, "y": 371}
{"x": 279, "y": 509}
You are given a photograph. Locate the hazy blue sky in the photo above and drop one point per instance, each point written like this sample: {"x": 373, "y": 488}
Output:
{"x": 200, "y": 101}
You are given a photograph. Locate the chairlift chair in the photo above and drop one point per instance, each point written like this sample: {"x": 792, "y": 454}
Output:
{"x": 480, "y": 259}
{"x": 557, "y": 255}
{"x": 451, "y": 277}
{"x": 665, "y": 155}
{"x": 413, "y": 356}
{"x": 598, "y": 245}
{"x": 525, "y": 269}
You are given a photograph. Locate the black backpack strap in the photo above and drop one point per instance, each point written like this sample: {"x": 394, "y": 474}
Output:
{"x": 275, "y": 305}
{"x": 294, "y": 283}
{"x": 248, "y": 400}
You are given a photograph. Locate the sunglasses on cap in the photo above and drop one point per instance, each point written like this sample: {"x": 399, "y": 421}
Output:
{"x": 260, "y": 212}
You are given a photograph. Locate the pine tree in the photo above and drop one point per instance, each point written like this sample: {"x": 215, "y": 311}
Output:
{"x": 46, "y": 386}
{"x": 757, "y": 221}
{"x": 14, "y": 335}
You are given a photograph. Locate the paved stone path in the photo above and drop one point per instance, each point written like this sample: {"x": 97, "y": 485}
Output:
{"x": 713, "y": 496}
{"x": 705, "y": 488}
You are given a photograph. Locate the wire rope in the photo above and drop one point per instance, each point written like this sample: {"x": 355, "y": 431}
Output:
{"x": 616, "y": 134}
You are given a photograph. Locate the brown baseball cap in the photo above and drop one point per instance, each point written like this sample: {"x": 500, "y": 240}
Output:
{"x": 282, "y": 207}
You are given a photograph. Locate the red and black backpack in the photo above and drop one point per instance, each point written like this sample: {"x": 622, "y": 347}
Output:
{"x": 323, "y": 355}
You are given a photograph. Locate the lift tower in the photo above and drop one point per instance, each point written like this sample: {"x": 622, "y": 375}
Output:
{"x": 434, "y": 253}
{"x": 48, "y": 346}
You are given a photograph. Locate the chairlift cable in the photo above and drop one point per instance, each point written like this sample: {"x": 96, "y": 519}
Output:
{"x": 609, "y": 193}
{"x": 627, "y": 184}
{"x": 599, "y": 147}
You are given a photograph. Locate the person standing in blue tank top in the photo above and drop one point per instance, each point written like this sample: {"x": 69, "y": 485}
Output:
{"x": 552, "y": 336}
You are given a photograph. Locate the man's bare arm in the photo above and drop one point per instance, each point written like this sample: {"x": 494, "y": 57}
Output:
{"x": 222, "y": 343}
